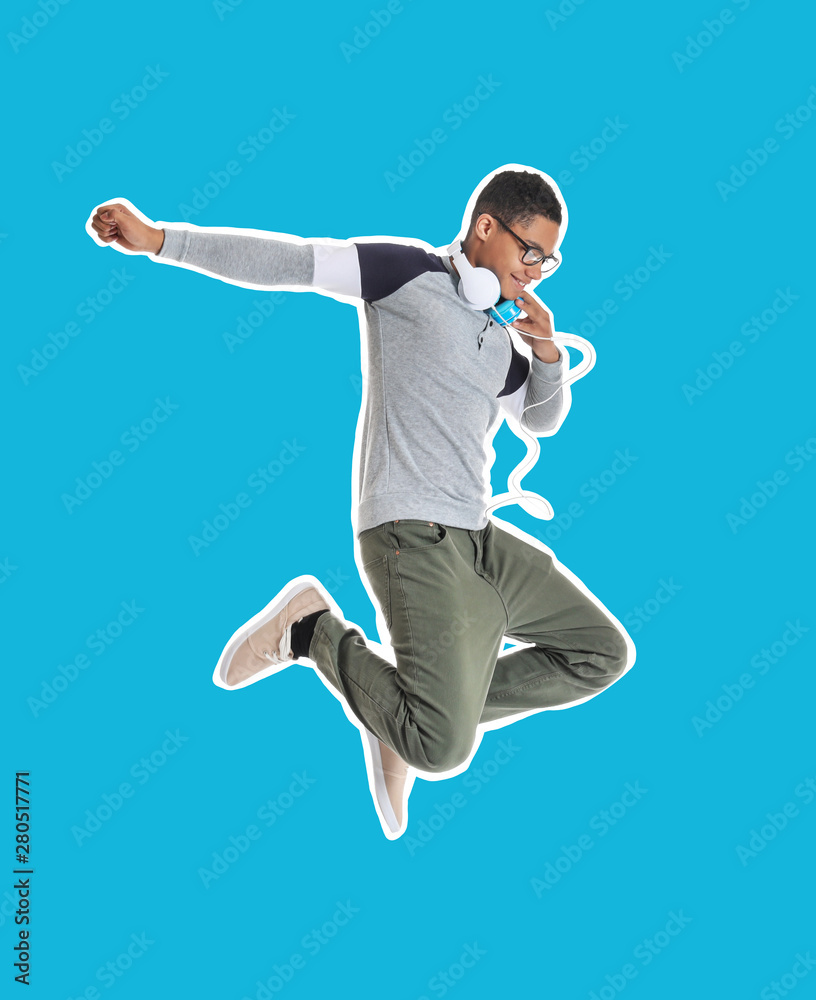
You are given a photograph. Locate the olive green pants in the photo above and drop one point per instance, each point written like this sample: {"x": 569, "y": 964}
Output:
{"x": 449, "y": 597}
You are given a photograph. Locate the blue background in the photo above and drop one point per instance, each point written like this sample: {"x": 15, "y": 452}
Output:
{"x": 688, "y": 108}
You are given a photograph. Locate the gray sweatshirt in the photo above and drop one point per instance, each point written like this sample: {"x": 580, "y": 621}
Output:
{"x": 436, "y": 373}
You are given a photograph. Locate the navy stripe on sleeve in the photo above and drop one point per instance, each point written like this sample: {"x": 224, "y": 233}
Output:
{"x": 517, "y": 372}
{"x": 385, "y": 267}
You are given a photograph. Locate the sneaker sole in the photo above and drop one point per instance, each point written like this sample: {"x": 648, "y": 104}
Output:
{"x": 376, "y": 782}
{"x": 276, "y": 605}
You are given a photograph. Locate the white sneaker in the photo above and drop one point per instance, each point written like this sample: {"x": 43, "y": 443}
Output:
{"x": 263, "y": 646}
{"x": 390, "y": 780}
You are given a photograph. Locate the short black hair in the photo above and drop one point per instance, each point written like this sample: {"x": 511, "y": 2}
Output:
{"x": 517, "y": 196}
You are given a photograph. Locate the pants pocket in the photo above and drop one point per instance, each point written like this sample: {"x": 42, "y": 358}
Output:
{"x": 411, "y": 535}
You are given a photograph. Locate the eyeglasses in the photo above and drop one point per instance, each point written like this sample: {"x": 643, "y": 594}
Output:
{"x": 532, "y": 256}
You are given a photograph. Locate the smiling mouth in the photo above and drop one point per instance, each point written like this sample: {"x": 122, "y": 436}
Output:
{"x": 519, "y": 283}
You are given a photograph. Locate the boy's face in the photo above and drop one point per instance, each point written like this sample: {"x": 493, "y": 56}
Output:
{"x": 492, "y": 246}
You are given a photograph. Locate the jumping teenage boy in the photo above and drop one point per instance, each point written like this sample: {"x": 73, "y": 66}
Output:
{"x": 451, "y": 583}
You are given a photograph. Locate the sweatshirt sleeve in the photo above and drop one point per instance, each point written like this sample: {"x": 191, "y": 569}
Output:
{"x": 264, "y": 261}
{"x": 541, "y": 386}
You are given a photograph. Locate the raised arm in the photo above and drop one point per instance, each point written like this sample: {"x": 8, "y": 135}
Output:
{"x": 262, "y": 261}
{"x": 248, "y": 257}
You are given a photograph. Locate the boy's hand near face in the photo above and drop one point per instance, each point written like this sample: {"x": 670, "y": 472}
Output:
{"x": 537, "y": 323}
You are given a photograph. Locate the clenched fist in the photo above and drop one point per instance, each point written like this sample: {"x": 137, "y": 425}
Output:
{"x": 115, "y": 223}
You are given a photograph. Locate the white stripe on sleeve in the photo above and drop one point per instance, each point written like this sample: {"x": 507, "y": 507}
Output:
{"x": 337, "y": 269}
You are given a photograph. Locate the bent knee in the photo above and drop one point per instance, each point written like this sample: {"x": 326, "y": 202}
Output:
{"x": 614, "y": 651}
{"x": 439, "y": 755}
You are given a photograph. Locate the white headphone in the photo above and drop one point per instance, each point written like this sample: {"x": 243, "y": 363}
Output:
{"x": 480, "y": 288}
